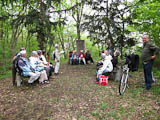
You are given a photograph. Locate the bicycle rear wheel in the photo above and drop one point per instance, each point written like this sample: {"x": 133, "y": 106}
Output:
{"x": 123, "y": 83}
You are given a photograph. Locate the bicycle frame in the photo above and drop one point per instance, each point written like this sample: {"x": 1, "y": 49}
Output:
{"x": 124, "y": 80}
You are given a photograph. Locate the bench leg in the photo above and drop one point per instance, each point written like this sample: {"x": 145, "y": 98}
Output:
{"x": 18, "y": 80}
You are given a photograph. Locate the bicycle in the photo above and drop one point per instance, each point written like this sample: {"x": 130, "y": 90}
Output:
{"x": 124, "y": 79}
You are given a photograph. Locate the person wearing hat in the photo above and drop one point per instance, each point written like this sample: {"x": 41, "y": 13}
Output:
{"x": 17, "y": 55}
{"x": 82, "y": 57}
{"x": 27, "y": 69}
{"x": 57, "y": 59}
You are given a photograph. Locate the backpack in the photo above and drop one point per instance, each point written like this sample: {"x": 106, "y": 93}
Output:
{"x": 15, "y": 64}
{"x": 53, "y": 56}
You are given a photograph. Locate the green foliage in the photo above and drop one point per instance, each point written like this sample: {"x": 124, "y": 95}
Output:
{"x": 146, "y": 18}
{"x": 5, "y": 74}
{"x": 40, "y": 24}
{"x": 109, "y": 22}
{"x": 93, "y": 49}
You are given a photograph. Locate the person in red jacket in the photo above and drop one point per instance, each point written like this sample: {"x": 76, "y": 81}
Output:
{"x": 82, "y": 57}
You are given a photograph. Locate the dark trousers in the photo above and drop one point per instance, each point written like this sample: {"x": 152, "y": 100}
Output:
{"x": 148, "y": 74}
{"x": 75, "y": 62}
{"x": 89, "y": 59}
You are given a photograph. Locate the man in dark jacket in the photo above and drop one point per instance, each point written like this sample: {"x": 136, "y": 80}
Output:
{"x": 88, "y": 57}
{"x": 149, "y": 53}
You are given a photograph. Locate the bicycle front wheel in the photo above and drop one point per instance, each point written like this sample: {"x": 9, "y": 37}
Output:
{"x": 123, "y": 83}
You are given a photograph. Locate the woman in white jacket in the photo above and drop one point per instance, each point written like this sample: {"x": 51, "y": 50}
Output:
{"x": 107, "y": 66}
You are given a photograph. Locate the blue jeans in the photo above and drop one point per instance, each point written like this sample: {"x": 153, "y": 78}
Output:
{"x": 98, "y": 74}
{"x": 148, "y": 74}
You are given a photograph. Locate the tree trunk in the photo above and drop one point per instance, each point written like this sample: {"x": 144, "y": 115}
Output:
{"x": 15, "y": 35}
{"x": 78, "y": 23}
{"x": 40, "y": 34}
{"x": 78, "y": 31}
{"x": 62, "y": 43}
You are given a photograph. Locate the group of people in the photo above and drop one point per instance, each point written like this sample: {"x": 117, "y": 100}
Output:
{"x": 80, "y": 58}
{"x": 149, "y": 53}
{"x": 36, "y": 67}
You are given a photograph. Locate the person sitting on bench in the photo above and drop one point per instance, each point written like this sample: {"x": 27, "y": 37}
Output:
{"x": 14, "y": 71}
{"x": 74, "y": 58}
{"x": 115, "y": 59}
{"x": 82, "y": 57}
{"x": 26, "y": 68}
{"x": 88, "y": 57}
{"x": 40, "y": 58}
{"x": 38, "y": 66}
{"x": 107, "y": 65}
{"x": 70, "y": 57}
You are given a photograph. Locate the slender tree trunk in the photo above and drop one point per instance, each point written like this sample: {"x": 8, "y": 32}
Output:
{"x": 7, "y": 34}
{"x": 1, "y": 34}
{"x": 15, "y": 35}
{"x": 62, "y": 43}
{"x": 122, "y": 38}
{"x": 78, "y": 29}
{"x": 40, "y": 36}
{"x": 73, "y": 43}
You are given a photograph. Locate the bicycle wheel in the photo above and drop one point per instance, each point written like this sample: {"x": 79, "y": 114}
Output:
{"x": 123, "y": 83}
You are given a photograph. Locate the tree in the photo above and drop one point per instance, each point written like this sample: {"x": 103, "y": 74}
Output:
{"x": 146, "y": 18}
{"x": 77, "y": 14}
{"x": 108, "y": 23}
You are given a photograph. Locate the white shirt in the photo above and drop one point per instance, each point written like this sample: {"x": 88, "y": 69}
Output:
{"x": 57, "y": 55}
{"x": 107, "y": 64}
{"x": 33, "y": 61}
{"x": 44, "y": 60}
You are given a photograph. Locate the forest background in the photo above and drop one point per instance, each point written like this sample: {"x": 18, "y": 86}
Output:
{"x": 40, "y": 24}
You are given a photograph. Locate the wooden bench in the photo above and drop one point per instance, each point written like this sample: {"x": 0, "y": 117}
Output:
{"x": 115, "y": 74}
{"x": 17, "y": 79}
{"x": 20, "y": 79}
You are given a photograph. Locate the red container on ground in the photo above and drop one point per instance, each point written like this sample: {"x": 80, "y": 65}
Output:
{"x": 103, "y": 80}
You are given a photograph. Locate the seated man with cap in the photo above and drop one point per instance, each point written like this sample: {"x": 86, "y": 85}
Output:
{"x": 15, "y": 57}
{"x": 26, "y": 68}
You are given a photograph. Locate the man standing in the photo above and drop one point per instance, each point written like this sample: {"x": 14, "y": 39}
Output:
{"x": 57, "y": 59}
{"x": 149, "y": 53}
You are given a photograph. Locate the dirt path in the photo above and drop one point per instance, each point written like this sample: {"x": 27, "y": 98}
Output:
{"x": 73, "y": 95}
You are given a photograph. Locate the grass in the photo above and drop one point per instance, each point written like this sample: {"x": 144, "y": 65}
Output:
{"x": 5, "y": 74}
{"x": 74, "y": 95}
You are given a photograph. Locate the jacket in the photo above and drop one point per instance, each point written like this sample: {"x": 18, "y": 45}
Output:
{"x": 148, "y": 51}
{"x": 24, "y": 66}
{"x": 107, "y": 65}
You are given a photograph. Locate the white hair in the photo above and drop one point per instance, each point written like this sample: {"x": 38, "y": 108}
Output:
{"x": 56, "y": 45}
{"x": 22, "y": 52}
